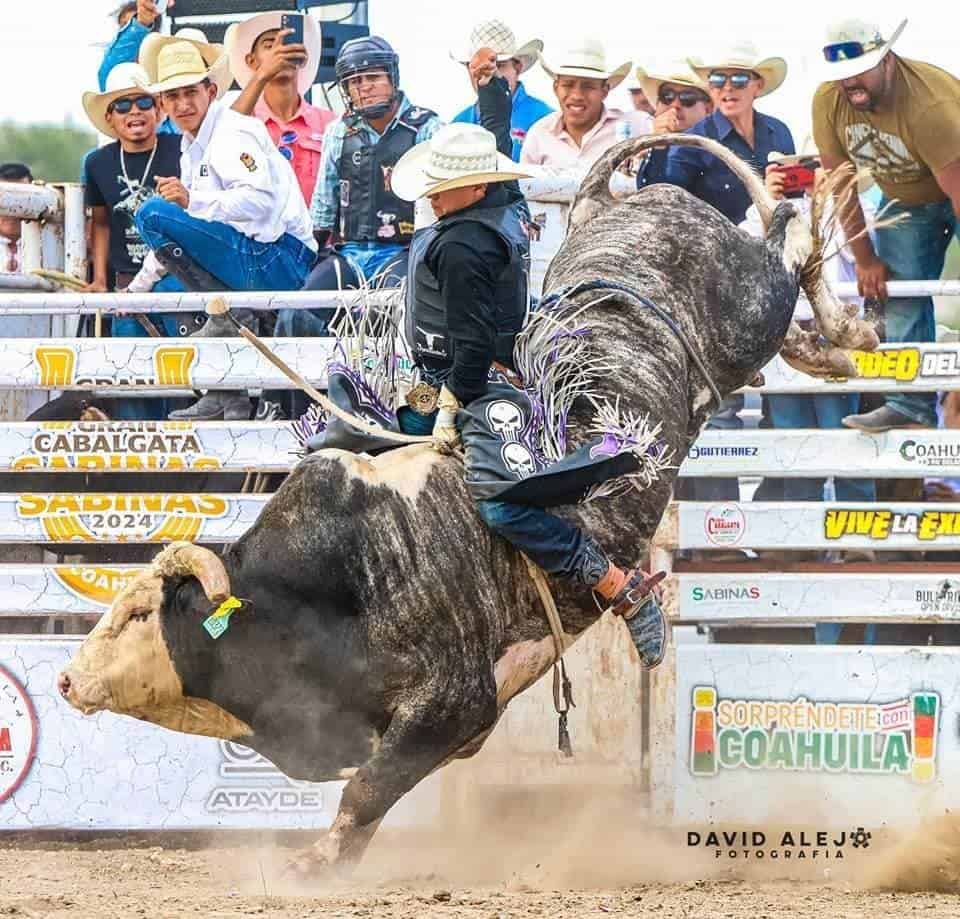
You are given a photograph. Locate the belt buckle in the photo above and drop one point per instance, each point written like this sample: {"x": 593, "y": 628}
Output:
{"x": 422, "y": 398}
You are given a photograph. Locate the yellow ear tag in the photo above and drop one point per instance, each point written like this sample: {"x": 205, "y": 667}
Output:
{"x": 219, "y": 620}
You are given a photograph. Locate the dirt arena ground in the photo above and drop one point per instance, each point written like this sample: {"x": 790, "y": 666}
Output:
{"x": 575, "y": 861}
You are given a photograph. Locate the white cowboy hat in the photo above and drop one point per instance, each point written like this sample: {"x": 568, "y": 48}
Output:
{"x": 744, "y": 56}
{"x": 457, "y": 155}
{"x": 123, "y": 80}
{"x": 678, "y": 72}
{"x": 589, "y": 60}
{"x": 175, "y": 61}
{"x": 853, "y": 60}
{"x": 496, "y": 35}
{"x": 241, "y": 36}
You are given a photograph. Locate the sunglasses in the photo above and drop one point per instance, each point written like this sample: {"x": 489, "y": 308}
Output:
{"x": 849, "y": 50}
{"x": 124, "y": 106}
{"x": 688, "y": 97}
{"x": 718, "y": 79}
{"x": 286, "y": 139}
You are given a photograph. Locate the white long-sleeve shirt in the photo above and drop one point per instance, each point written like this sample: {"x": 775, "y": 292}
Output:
{"x": 234, "y": 174}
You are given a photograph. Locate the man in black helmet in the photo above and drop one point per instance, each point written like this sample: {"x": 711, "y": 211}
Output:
{"x": 363, "y": 228}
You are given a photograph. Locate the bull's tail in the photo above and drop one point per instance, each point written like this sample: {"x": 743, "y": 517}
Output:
{"x": 594, "y": 194}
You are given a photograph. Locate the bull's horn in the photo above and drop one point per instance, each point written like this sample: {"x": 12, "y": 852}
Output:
{"x": 206, "y": 566}
{"x": 595, "y": 188}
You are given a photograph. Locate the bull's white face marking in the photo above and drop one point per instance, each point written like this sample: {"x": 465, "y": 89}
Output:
{"x": 797, "y": 244}
{"x": 518, "y": 459}
{"x": 124, "y": 666}
{"x": 505, "y": 419}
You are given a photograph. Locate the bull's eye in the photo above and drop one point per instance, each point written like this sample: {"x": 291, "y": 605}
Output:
{"x": 141, "y": 617}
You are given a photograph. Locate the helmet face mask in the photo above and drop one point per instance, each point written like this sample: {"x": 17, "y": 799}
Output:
{"x": 365, "y": 55}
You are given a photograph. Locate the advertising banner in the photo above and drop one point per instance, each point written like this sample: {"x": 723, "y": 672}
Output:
{"x": 804, "y": 453}
{"x": 779, "y": 732}
{"x": 60, "y": 769}
{"x": 149, "y": 446}
{"x": 816, "y": 525}
{"x": 138, "y": 518}
{"x": 908, "y": 368}
{"x": 61, "y": 590}
{"x": 776, "y": 597}
{"x": 150, "y": 363}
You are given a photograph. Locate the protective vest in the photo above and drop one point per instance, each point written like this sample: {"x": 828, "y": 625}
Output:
{"x": 369, "y": 210}
{"x": 425, "y": 321}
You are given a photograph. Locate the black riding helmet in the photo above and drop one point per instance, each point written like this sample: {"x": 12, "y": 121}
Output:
{"x": 360, "y": 55}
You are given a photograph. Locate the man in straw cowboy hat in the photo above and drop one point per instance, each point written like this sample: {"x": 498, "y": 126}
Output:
{"x": 512, "y": 61}
{"x": 900, "y": 120}
{"x": 737, "y": 76}
{"x": 235, "y": 219}
{"x": 681, "y": 99}
{"x": 466, "y": 302}
{"x": 121, "y": 176}
{"x": 584, "y": 128}
{"x": 274, "y": 77}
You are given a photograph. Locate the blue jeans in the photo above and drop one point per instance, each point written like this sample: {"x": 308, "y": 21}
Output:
{"x": 824, "y": 412}
{"x": 914, "y": 250}
{"x": 240, "y": 262}
{"x": 558, "y": 547}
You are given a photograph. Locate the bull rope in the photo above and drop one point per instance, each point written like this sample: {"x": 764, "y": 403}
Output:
{"x": 562, "y": 687}
{"x": 601, "y": 284}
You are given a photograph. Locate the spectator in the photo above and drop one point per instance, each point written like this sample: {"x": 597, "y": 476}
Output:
{"x": 822, "y": 411}
{"x": 234, "y": 219}
{"x": 899, "y": 119}
{"x": 120, "y": 175}
{"x": 274, "y": 78}
{"x": 11, "y": 254}
{"x": 639, "y": 118}
{"x": 682, "y": 100}
{"x": 354, "y": 198}
{"x": 125, "y": 12}
{"x": 584, "y": 128}
{"x": 736, "y": 78}
{"x": 638, "y": 96}
{"x": 512, "y": 61}
{"x": 119, "y": 178}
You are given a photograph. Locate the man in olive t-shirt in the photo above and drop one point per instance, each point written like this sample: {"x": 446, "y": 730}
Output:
{"x": 900, "y": 120}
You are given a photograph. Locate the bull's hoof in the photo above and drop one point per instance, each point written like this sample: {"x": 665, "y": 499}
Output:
{"x": 308, "y": 865}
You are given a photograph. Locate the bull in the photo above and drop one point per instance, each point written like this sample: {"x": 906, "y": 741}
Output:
{"x": 384, "y": 629}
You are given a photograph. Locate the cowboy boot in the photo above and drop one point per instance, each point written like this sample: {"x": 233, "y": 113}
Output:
{"x": 217, "y": 403}
{"x": 645, "y": 620}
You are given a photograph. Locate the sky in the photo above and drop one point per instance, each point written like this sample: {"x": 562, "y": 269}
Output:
{"x": 67, "y": 37}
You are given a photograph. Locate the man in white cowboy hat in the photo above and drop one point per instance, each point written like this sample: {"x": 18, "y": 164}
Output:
{"x": 512, "y": 61}
{"x": 584, "y": 128}
{"x": 235, "y": 219}
{"x": 681, "y": 99}
{"x": 274, "y": 78}
{"x": 736, "y": 76}
{"x": 899, "y": 119}
{"x": 466, "y": 302}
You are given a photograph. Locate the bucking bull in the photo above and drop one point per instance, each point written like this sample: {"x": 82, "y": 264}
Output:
{"x": 383, "y": 628}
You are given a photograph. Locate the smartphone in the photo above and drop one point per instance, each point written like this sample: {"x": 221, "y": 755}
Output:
{"x": 798, "y": 179}
{"x": 292, "y": 21}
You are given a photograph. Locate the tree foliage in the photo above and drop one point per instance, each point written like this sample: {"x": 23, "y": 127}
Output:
{"x": 53, "y": 152}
